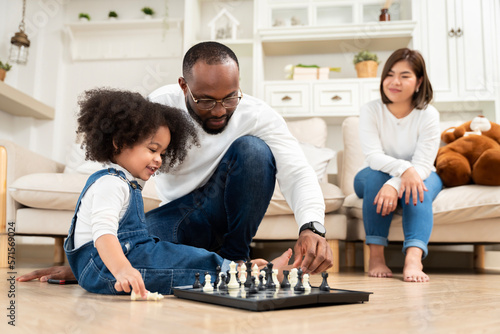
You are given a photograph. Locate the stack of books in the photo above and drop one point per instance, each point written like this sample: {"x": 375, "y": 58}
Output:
{"x": 310, "y": 73}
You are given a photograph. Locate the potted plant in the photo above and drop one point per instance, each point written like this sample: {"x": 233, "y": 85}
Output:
{"x": 112, "y": 15}
{"x": 84, "y": 17}
{"x": 148, "y": 12}
{"x": 366, "y": 64}
{"x": 4, "y": 68}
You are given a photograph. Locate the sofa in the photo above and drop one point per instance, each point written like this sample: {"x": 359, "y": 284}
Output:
{"x": 467, "y": 214}
{"x": 40, "y": 194}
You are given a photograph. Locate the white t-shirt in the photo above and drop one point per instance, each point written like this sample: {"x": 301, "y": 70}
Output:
{"x": 393, "y": 145}
{"x": 296, "y": 178}
{"x": 102, "y": 207}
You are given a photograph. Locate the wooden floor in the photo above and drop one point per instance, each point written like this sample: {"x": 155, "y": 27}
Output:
{"x": 453, "y": 302}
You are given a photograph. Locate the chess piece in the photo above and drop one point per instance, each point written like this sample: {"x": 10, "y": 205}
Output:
{"x": 307, "y": 286}
{"x": 227, "y": 276}
{"x": 253, "y": 289}
{"x": 233, "y": 282}
{"x": 324, "y": 285}
{"x": 219, "y": 281}
{"x": 223, "y": 285}
{"x": 285, "y": 284}
{"x": 208, "y": 285}
{"x": 255, "y": 271}
{"x": 275, "y": 278}
{"x": 248, "y": 280}
{"x": 293, "y": 277}
{"x": 261, "y": 286}
{"x": 150, "y": 296}
{"x": 269, "y": 277}
{"x": 197, "y": 284}
{"x": 217, "y": 277}
{"x": 243, "y": 274}
{"x": 299, "y": 287}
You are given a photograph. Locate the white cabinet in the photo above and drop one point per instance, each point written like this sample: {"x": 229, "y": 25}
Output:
{"x": 458, "y": 47}
{"x": 288, "y": 98}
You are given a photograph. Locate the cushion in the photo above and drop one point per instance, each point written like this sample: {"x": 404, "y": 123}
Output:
{"x": 318, "y": 158}
{"x": 332, "y": 194}
{"x": 312, "y": 131}
{"x": 61, "y": 191}
{"x": 452, "y": 205}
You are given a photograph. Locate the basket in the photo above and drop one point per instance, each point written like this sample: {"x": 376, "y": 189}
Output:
{"x": 366, "y": 69}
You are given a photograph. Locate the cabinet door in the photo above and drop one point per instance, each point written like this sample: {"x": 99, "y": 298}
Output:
{"x": 288, "y": 99}
{"x": 439, "y": 45}
{"x": 336, "y": 98}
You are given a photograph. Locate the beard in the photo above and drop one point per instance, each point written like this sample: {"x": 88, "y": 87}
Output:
{"x": 203, "y": 124}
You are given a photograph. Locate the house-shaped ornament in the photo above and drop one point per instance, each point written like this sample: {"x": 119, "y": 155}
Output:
{"x": 223, "y": 26}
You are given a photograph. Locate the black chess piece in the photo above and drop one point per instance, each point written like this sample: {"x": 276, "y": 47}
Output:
{"x": 285, "y": 283}
{"x": 299, "y": 287}
{"x": 270, "y": 285}
{"x": 324, "y": 285}
{"x": 261, "y": 286}
{"x": 223, "y": 285}
{"x": 252, "y": 289}
{"x": 217, "y": 271}
{"x": 248, "y": 282}
{"x": 228, "y": 276}
{"x": 197, "y": 284}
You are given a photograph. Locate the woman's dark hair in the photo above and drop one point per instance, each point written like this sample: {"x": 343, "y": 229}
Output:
{"x": 424, "y": 95}
{"x": 212, "y": 53}
{"x": 110, "y": 120}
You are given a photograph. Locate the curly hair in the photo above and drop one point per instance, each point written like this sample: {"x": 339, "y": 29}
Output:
{"x": 111, "y": 120}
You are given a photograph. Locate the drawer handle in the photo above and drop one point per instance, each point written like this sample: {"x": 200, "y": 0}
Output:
{"x": 336, "y": 98}
{"x": 286, "y": 98}
{"x": 451, "y": 33}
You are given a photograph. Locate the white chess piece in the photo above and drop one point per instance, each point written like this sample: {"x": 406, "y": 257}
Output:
{"x": 233, "y": 282}
{"x": 150, "y": 296}
{"x": 275, "y": 278}
{"x": 255, "y": 272}
{"x": 243, "y": 273}
{"x": 293, "y": 277}
{"x": 263, "y": 273}
{"x": 305, "y": 282}
{"x": 208, "y": 285}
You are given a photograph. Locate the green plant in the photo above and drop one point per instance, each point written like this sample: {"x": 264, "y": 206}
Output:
{"x": 5, "y": 66}
{"x": 112, "y": 14}
{"x": 148, "y": 11}
{"x": 84, "y": 15}
{"x": 365, "y": 55}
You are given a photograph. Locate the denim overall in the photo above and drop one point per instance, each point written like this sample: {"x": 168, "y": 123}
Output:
{"x": 162, "y": 264}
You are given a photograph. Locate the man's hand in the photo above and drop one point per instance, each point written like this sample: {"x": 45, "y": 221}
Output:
{"x": 312, "y": 253}
{"x": 59, "y": 273}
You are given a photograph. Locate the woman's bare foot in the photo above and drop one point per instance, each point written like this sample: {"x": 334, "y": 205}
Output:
{"x": 376, "y": 265}
{"x": 412, "y": 270}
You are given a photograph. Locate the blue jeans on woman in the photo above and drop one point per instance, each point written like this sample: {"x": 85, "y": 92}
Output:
{"x": 224, "y": 214}
{"x": 417, "y": 219}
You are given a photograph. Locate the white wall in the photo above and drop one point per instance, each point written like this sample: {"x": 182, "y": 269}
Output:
{"x": 52, "y": 77}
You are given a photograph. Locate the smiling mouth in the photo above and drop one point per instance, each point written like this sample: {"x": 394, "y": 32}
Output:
{"x": 152, "y": 169}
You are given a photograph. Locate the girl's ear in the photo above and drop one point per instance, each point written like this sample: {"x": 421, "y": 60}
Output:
{"x": 419, "y": 83}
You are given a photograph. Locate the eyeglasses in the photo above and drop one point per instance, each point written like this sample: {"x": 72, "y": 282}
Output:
{"x": 209, "y": 104}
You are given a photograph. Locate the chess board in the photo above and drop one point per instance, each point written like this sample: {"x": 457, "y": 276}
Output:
{"x": 272, "y": 300}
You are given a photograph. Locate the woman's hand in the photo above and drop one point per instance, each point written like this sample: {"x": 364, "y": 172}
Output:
{"x": 386, "y": 200}
{"x": 412, "y": 184}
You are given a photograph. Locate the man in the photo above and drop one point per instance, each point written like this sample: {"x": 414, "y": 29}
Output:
{"x": 217, "y": 198}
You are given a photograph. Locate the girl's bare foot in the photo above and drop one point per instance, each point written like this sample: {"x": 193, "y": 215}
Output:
{"x": 412, "y": 270}
{"x": 376, "y": 265}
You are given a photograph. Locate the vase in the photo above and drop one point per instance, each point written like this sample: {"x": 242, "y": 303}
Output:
{"x": 367, "y": 69}
{"x": 148, "y": 17}
{"x": 2, "y": 74}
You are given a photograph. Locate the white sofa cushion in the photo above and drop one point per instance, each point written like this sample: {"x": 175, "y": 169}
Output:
{"x": 60, "y": 191}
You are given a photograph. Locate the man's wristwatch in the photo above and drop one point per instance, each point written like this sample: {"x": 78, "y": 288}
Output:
{"x": 316, "y": 227}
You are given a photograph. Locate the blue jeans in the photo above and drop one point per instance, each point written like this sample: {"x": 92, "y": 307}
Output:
{"x": 224, "y": 214}
{"x": 417, "y": 220}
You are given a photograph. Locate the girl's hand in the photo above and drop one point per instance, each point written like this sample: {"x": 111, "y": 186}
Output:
{"x": 412, "y": 184}
{"x": 128, "y": 277}
{"x": 386, "y": 200}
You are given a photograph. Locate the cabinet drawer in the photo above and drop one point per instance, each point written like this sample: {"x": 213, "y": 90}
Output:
{"x": 336, "y": 98}
{"x": 288, "y": 98}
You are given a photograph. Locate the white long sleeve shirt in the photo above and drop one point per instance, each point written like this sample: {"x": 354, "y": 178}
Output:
{"x": 296, "y": 177}
{"x": 393, "y": 145}
{"x": 102, "y": 207}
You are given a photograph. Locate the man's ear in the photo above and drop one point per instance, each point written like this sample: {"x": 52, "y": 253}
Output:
{"x": 183, "y": 84}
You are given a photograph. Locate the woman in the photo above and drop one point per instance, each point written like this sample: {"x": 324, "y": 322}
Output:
{"x": 400, "y": 137}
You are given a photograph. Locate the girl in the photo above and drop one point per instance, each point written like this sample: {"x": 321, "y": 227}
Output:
{"x": 108, "y": 247}
{"x": 400, "y": 137}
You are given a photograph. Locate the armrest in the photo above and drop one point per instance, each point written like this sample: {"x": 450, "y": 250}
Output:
{"x": 17, "y": 161}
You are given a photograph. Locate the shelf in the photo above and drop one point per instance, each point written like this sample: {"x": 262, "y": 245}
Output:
{"x": 375, "y": 36}
{"x": 18, "y": 103}
{"x": 125, "y": 39}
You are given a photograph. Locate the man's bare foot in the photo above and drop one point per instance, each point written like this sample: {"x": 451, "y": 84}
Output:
{"x": 376, "y": 265}
{"x": 58, "y": 272}
{"x": 413, "y": 268}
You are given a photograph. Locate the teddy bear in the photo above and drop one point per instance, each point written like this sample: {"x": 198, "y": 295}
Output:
{"x": 471, "y": 154}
